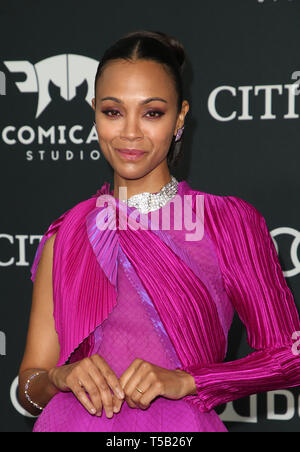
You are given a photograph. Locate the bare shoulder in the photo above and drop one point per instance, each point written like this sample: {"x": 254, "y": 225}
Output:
{"x": 45, "y": 263}
{"x": 50, "y": 241}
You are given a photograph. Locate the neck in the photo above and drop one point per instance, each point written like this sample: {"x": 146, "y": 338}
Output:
{"x": 151, "y": 182}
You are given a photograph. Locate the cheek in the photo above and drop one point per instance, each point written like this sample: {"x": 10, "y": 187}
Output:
{"x": 161, "y": 135}
{"x": 107, "y": 131}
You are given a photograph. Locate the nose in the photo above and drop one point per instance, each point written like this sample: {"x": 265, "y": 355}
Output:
{"x": 131, "y": 129}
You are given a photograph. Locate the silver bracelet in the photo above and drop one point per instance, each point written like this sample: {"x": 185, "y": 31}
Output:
{"x": 27, "y": 386}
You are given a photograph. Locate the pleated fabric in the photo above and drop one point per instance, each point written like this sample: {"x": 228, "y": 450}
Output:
{"x": 255, "y": 284}
{"x": 194, "y": 287}
{"x": 132, "y": 330}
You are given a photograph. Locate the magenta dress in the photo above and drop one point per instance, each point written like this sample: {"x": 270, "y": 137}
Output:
{"x": 132, "y": 330}
{"x": 173, "y": 305}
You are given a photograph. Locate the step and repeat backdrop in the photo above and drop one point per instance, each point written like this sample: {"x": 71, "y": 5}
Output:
{"x": 241, "y": 138}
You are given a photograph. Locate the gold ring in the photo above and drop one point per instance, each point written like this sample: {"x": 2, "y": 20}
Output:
{"x": 142, "y": 392}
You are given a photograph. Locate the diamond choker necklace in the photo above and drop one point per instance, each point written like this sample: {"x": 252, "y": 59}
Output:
{"x": 147, "y": 202}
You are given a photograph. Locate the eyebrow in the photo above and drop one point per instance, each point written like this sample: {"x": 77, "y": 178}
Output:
{"x": 146, "y": 101}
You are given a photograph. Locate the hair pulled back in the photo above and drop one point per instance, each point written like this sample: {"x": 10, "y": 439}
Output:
{"x": 159, "y": 47}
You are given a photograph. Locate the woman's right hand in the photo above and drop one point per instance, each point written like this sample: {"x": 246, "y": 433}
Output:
{"x": 95, "y": 377}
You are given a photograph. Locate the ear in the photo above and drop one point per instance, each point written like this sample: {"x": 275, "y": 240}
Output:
{"x": 93, "y": 103}
{"x": 181, "y": 117}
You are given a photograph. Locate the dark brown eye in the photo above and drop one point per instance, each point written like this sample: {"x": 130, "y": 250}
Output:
{"x": 155, "y": 114}
{"x": 114, "y": 112}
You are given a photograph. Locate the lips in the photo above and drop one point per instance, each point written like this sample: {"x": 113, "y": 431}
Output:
{"x": 131, "y": 151}
{"x": 131, "y": 154}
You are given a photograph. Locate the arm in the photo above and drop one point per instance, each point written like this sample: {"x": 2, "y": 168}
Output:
{"x": 255, "y": 284}
{"x": 42, "y": 347}
{"x": 90, "y": 375}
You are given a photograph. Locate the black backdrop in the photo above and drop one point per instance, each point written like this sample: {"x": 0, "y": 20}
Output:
{"x": 241, "y": 139}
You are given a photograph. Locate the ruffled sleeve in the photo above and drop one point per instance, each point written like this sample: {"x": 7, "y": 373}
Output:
{"x": 255, "y": 284}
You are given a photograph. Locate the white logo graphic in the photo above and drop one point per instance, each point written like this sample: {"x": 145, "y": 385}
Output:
{"x": 21, "y": 241}
{"x": 2, "y": 84}
{"x": 2, "y": 343}
{"x": 291, "y": 402}
{"x": 294, "y": 248}
{"x": 242, "y": 95}
{"x": 66, "y": 71}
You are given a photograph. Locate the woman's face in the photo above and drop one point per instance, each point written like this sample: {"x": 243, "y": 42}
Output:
{"x": 128, "y": 117}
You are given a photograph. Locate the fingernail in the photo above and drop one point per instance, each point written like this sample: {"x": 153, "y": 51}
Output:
{"x": 120, "y": 393}
{"x": 92, "y": 410}
{"x": 116, "y": 409}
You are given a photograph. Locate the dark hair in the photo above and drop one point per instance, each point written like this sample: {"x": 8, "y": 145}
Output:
{"x": 156, "y": 46}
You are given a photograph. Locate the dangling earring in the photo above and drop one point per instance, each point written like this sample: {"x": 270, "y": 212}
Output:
{"x": 179, "y": 133}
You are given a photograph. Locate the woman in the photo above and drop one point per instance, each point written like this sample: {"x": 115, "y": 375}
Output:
{"x": 128, "y": 327}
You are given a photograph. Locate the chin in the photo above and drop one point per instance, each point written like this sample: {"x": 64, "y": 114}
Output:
{"x": 133, "y": 172}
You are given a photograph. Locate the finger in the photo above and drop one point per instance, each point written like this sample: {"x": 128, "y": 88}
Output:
{"x": 130, "y": 402}
{"x": 133, "y": 396}
{"x": 141, "y": 379}
{"x": 102, "y": 377}
{"x": 138, "y": 397}
{"x": 146, "y": 399}
{"x": 107, "y": 399}
{"x": 79, "y": 392}
{"x": 117, "y": 404}
{"x": 92, "y": 390}
{"x": 129, "y": 372}
{"x": 109, "y": 375}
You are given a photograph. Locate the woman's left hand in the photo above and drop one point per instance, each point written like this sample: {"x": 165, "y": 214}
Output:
{"x": 153, "y": 381}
